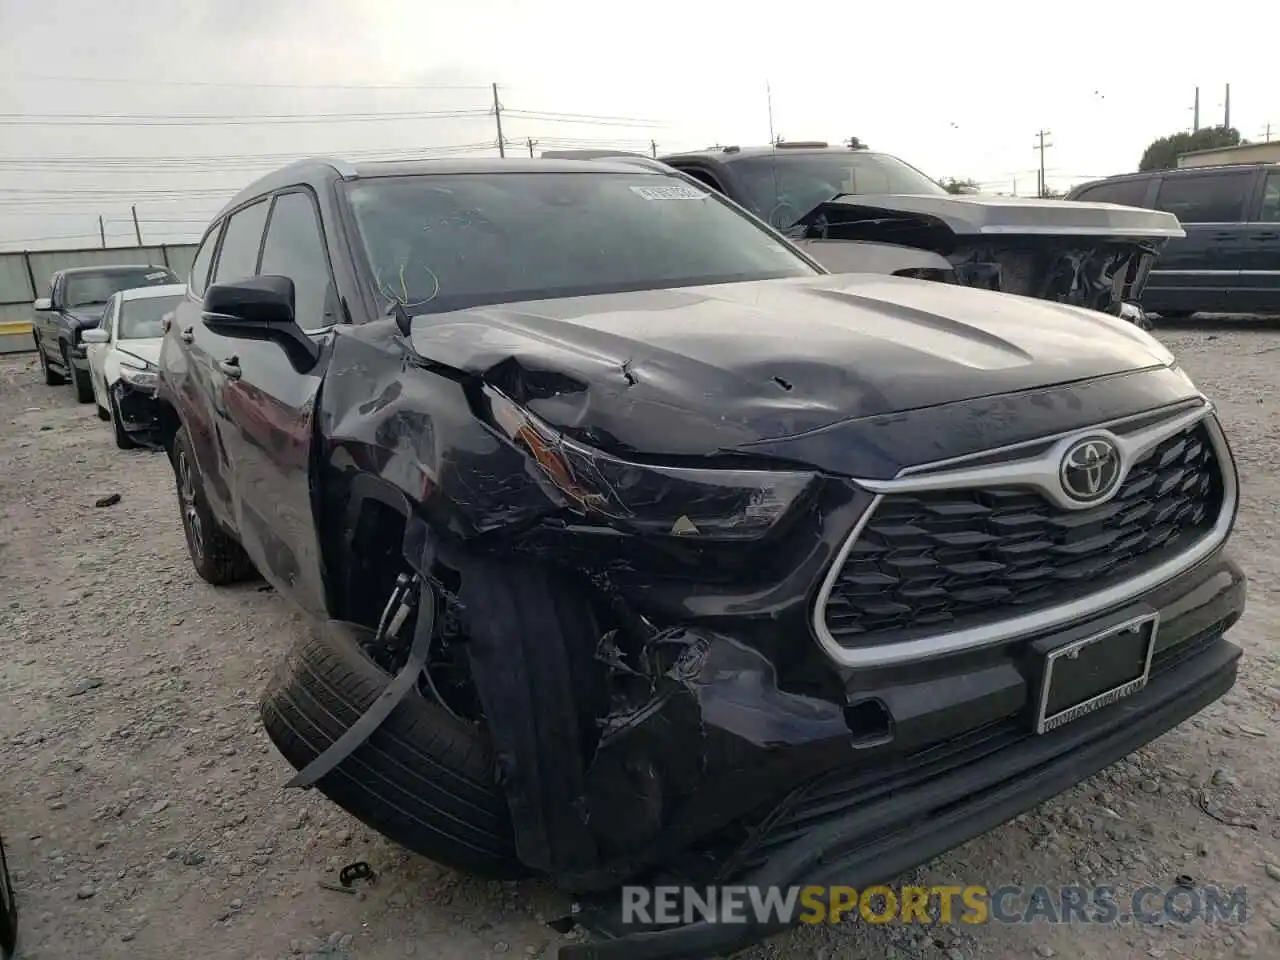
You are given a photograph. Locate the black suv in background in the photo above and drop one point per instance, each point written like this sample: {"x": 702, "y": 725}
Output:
{"x": 77, "y": 299}
{"x": 1229, "y": 261}
{"x": 636, "y": 543}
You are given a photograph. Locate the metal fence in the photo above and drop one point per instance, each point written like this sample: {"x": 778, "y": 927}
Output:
{"x": 24, "y": 276}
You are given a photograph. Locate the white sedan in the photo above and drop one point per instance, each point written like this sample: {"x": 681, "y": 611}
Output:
{"x": 123, "y": 351}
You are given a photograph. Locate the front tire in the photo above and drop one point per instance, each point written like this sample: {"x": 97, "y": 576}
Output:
{"x": 215, "y": 554}
{"x": 80, "y": 382}
{"x": 423, "y": 779}
{"x": 52, "y": 377}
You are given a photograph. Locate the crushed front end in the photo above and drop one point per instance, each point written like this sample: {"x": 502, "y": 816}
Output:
{"x": 134, "y": 396}
{"x": 1097, "y": 256}
{"x": 823, "y": 658}
{"x": 880, "y": 675}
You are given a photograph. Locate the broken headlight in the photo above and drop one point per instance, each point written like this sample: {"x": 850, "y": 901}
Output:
{"x": 711, "y": 504}
{"x": 138, "y": 373}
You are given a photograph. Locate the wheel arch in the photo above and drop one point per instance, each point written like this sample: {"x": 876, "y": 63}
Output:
{"x": 362, "y": 528}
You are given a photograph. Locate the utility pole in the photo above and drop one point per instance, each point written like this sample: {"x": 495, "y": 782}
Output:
{"x": 532, "y": 143}
{"x": 1226, "y": 108}
{"x": 1266, "y": 136}
{"x": 497, "y": 116}
{"x": 1042, "y": 146}
{"x": 1195, "y": 113}
{"x": 137, "y": 230}
{"x": 653, "y": 147}
{"x": 102, "y": 232}
{"x": 768, "y": 96}
{"x": 1015, "y": 187}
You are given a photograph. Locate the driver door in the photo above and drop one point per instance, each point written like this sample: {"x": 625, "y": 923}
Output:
{"x": 97, "y": 352}
{"x": 271, "y": 403}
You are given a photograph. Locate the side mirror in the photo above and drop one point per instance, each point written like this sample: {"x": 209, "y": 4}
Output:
{"x": 43, "y": 305}
{"x": 260, "y": 308}
{"x": 94, "y": 335}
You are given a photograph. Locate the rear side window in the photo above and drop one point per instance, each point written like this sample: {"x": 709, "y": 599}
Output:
{"x": 1205, "y": 198}
{"x": 200, "y": 265}
{"x": 1127, "y": 193}
{"x": 1271, "y": 198}
{"x": 238, "y": 259}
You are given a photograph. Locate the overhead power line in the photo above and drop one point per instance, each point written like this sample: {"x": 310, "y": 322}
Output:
{"x": 226, "y": 161}
{"x": 249, "y": 85}
{"x": 196, "y": 120}
{"x": 201, "y": 120}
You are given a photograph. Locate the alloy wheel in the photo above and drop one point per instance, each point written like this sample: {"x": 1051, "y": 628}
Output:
{"x": 187, "y": 496}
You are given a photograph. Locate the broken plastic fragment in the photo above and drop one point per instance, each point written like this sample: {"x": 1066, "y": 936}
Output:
{"x": 684, "y": 527}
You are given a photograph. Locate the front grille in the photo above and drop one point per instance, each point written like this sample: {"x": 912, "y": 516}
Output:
{"x": 945, "y": 560}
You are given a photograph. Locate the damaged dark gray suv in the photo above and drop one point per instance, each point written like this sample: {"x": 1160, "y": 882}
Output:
{"x": 642, "y": 549}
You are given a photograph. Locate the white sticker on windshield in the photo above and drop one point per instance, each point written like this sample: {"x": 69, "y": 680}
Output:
{"x": 673, "y": 191}
{"x": 158, "y": 275}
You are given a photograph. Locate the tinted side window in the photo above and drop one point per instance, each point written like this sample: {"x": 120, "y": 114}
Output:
{"x": 295, "y": 249}
{"x": 1271, "y": 198}
{"x": 240, "y": 244}
{"x": 1205, "y": 198}
{"x": 1128, "y": 193}
{"x": 203, "y": 258}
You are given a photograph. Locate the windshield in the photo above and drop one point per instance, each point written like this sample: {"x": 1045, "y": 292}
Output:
{"x": 783, "y": 187}
{"x": 85, "y": 289}
{"x": 144, "y": 317}
{"x": 446, "y": 242}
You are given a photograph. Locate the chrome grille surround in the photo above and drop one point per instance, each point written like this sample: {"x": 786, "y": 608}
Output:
{"x": 1034, "y": 465}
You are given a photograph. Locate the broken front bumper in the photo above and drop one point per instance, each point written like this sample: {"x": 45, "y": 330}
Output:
{"x": 868, "y": 822}
{"x": 137, "y": 407}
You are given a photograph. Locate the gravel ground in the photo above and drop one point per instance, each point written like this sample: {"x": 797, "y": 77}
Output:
{"x": 143, "y": 809}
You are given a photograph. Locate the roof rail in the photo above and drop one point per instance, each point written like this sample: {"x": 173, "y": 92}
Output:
{"x": 639, "y": 159}
{"x": 801, "y": 144}
{"x": 344, "y": 169}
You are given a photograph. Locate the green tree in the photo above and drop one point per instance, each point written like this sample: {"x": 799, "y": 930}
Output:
{"x": 952, "y": 185}
{"x": 1163, "y": 154}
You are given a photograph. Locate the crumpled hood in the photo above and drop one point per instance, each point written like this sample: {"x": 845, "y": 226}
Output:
{"x": 147, "y": 349}
{"x": 700, "y": 369}
{"x": 993, "y": 216}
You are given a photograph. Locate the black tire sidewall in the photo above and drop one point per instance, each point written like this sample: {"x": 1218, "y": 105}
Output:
{"x": 416, "y": 777}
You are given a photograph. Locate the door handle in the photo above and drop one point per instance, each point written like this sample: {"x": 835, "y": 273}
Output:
{"x": 230, "y": 368}
{"x": 188, "y": 335}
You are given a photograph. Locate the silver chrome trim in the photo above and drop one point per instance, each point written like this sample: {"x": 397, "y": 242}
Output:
{"x": 886, "y": 654}
{"x": 1041, "y": 471}
{"x": 937, "y": 466}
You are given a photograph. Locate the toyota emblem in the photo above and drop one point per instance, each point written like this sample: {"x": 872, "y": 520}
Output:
{"x": 1090, "y": 470}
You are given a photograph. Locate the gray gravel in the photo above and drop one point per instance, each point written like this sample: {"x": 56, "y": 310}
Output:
{"x": 143, "y": 807}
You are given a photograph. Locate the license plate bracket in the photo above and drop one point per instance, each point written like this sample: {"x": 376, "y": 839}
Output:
{"x": 1094, "y": 671}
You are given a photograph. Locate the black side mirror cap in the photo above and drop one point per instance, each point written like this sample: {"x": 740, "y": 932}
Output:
{"x": 260, "y": 308}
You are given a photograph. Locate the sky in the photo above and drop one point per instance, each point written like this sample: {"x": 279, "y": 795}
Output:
{"x": 172, "y": 107}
